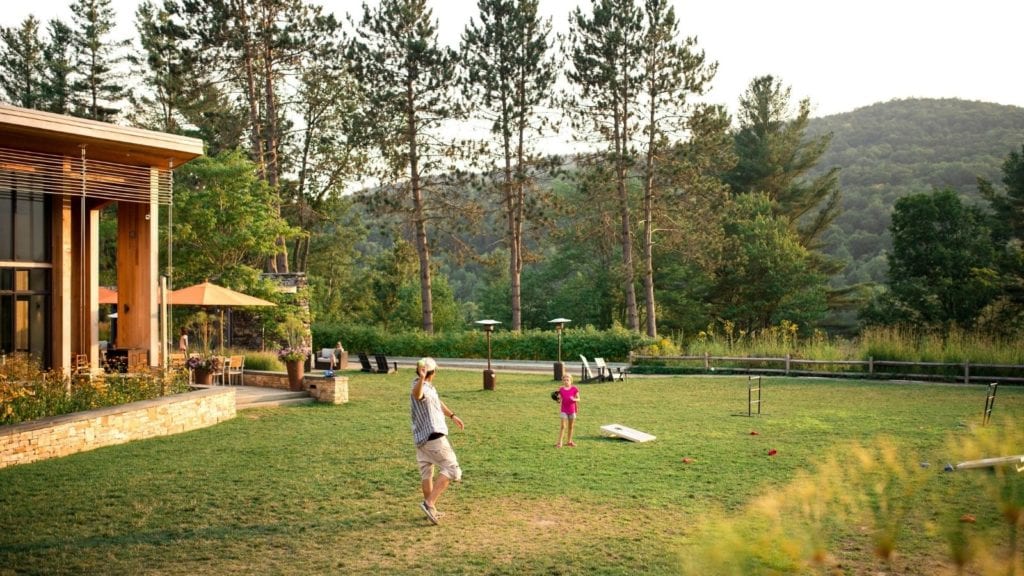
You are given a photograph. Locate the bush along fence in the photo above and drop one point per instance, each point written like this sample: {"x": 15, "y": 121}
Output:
{"x": 964, "y": 372}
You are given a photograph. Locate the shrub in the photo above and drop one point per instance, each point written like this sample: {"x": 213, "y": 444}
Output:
{"x": 264, "y": 361}
{"x": 29, "y": 393}
{"x": 615, "y": 344}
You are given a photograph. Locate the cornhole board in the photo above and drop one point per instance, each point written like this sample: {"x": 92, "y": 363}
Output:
{"x": 992, "y": 462}
{"x": 620, "y": 431}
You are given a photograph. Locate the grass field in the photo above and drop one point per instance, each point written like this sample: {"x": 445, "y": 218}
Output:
{"x": 335, "y": 490}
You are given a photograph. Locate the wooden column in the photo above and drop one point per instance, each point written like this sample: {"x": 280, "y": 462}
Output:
{"x": 137, "y": 318}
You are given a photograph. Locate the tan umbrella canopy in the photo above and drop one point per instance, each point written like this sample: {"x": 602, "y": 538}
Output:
{"x": 207, "y": 294}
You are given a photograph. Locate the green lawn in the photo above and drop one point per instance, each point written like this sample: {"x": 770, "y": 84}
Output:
{"x": 334, "y": 489}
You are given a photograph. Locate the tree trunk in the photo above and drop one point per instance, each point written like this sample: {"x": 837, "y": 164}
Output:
{"x": 509, "y": 186}
{"x": 626, "y": 235}
{"x": 270, "y": 96}
{"x": 652, "y": 318}
{"x": 419, "y": 216}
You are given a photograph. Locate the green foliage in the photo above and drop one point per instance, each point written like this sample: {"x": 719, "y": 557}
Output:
{"x": 767, "y": 276}
{"x": 29, "y": 393}
{"x": 775, "y": 155}
{"x": 226, "y": 217}
{"x": 98, "y": 86}
{"x": 615, "y": 344}
{"x": 889, "y": 150}
{"x": 264, "y": 361}
{"x": 22, "y": 63}
{"x": 941, "y": 271}
{"x": 800, "y": 527}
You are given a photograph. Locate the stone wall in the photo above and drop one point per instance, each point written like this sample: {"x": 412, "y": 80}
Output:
{"x": 81, "y": 431}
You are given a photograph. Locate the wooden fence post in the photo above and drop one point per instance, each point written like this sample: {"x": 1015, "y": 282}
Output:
{"x": 967, "y": 371}
{"x": 707, "y": 360}
{"x": 787, "y": 363}
{"x": 871, "y": 364}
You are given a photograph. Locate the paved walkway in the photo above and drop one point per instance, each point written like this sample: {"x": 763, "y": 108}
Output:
{"x": 250, "y": 396}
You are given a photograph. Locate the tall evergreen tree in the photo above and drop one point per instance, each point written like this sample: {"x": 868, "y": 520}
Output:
{"x": 604, "y": 48}
{"x": 99, "y": 89}
{"x": 672, "y": 70}
{"x": 510, "y": 74}
{"x": 407, "y": 78}
{"x": 164, "y": 66}
{"x": 258, "y": 48}
{"x": 1007, "y": 206}
{"x": 60, "y": 66}
{"x": 774, "y": 156}
{"x": 22, "y": 64}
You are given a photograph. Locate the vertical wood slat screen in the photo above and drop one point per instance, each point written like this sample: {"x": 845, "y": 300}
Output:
{"x": 53, "y": 174}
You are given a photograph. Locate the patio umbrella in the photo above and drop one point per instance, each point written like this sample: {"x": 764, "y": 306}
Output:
{"x": 207, "y": 294}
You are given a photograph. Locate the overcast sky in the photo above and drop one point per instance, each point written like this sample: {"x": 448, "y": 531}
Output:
{"x": 839, "y": 53}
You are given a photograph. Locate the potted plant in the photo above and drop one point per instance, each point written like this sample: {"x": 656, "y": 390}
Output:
{"x": 203, "y": 367}
{"x": 294, "y": 358}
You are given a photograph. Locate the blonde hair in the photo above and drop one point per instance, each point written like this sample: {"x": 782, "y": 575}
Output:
{"x": 567, "y": 379}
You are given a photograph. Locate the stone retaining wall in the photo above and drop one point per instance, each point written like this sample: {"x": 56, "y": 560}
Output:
{"x": 81, "y": 431}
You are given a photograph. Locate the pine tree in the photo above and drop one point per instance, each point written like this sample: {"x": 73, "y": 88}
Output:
{"x": 604, "y": 48}
{"x": 22, "y": 64}
{"x": 58, "y": 53}
{"x": 99, "y": 88}
{"x": 672, "y": 71}
{"x": 775, "y": 154}
{"x": 510, "y": 74}
{"x": 407, "y": 78}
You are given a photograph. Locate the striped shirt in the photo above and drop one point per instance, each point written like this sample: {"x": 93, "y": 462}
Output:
{"x": 427, "y": 415}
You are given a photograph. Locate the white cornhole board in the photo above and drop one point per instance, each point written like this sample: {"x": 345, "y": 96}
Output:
{"x": 620, "y": 431}
{"x": 992, "y": 462}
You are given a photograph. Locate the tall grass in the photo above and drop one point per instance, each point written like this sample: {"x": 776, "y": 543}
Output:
{"x": 897, "y": 343}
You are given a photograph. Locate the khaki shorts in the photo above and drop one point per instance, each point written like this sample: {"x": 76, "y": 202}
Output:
{"x": 438, "y": 453}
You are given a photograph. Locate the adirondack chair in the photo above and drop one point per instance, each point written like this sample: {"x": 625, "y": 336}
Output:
{"x": 383, "y": 367}
{"x": 605, "y": 372}
{"x": 587, "y": 374}
{"x": 364, "y": 362}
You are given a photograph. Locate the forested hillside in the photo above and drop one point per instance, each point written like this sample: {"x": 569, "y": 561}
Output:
{"x": 892, "y": 149}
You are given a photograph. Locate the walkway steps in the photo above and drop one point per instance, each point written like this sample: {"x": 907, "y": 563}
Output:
{"x": 251, "y": 397}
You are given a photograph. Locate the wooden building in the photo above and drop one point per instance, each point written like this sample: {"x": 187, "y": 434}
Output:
{"x": 56, "y": 173}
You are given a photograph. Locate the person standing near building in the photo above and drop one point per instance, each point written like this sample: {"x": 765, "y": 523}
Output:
{"x": 183, "y": 342}
{"x": 430, "y": 433}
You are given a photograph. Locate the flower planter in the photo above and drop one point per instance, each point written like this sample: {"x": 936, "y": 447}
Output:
{"x": 296, "y": 372}
{"x": 202, "y": 376}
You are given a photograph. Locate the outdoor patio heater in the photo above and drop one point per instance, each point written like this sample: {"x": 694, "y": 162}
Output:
{"x": 559, "y": 326}
{"x": 488, "y": 326}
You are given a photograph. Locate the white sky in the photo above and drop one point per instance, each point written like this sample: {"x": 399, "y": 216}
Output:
{"x": 839, "y": 53}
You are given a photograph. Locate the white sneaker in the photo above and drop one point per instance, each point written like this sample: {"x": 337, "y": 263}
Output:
{"x": 429, "y": 511}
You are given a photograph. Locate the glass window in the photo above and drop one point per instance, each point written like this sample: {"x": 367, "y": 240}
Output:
{"x": 6, "y": 224}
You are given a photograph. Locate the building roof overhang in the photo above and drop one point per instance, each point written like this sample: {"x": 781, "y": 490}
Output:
{"x": 49, "y": 133}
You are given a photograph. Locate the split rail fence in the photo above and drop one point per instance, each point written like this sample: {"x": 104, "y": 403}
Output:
{"x": 964, "y": 372}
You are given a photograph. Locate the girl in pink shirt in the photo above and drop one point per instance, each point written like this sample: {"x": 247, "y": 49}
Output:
{"x": 570, "y": 397}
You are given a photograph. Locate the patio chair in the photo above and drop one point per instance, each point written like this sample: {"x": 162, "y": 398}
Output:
{"x": 587, "y": 374}
{"x": 235, "y": 369}
{"x": 364, "y": 362}
{"x": 325, "y": 359}
{"x": 605, "y": 373}
{"x": 383, "y": 367}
